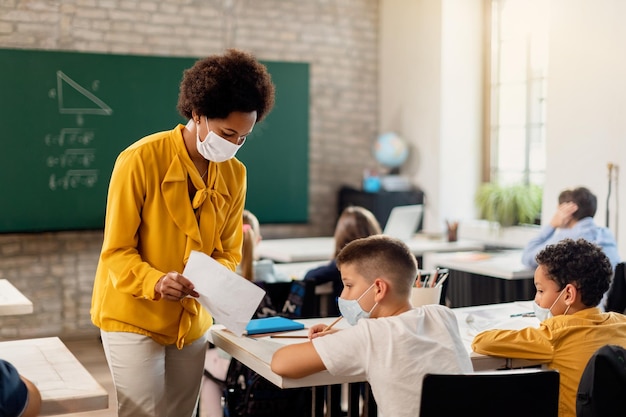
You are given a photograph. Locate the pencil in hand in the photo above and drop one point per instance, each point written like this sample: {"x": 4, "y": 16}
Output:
{"x": 330, "y": 326}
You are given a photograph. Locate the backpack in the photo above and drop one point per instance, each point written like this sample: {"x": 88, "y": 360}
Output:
{"x": 602, "y": 386}
{"x": 248, "y": 394}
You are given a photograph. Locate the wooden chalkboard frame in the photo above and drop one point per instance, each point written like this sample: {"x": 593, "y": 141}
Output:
{"x": 65, "y": 116}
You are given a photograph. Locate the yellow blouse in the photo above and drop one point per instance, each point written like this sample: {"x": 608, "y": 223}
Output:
{"x": 151, "y": 227}
{"x": 564, "y": 343}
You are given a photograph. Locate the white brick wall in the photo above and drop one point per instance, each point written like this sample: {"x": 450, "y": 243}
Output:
{"x": 338, "y": 38}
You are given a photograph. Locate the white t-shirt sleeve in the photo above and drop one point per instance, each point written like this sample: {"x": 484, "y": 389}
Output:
{"x": 344, "y": 352}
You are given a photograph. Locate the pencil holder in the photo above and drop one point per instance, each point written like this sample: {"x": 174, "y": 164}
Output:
{"x": 421, "y": 296}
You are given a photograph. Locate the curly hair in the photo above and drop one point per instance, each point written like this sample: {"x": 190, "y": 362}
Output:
{"x": 379, "y": 255}
{"x": 221, "y": 84}
{"x": 578, "y": 262}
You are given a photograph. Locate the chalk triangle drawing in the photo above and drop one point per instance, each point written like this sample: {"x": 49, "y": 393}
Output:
{"x": 76, "y": 99}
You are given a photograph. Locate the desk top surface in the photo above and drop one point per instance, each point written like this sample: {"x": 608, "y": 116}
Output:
{"x": 65, "y": 385}
{"x": 472, "y": 320}
{"x": 12, "y": 301}
{"x": 322, "y": 248}
{"x": 256, "y": 352}
{"x": 506, "y": 264}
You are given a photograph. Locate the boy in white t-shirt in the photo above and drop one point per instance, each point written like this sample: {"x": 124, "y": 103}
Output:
{"x": 395, "y": 350}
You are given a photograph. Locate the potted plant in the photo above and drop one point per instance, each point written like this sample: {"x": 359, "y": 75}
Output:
{"x": 509, "y": 205}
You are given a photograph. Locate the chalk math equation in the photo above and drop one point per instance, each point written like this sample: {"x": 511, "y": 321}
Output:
{"x": 72, "y": 154}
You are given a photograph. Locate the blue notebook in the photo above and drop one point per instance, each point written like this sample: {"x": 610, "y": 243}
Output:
{"x": 272, "y": 325}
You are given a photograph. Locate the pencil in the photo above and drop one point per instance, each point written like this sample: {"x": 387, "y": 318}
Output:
{"x": 286, "y": 336}
{"x": 332, "y": 324}
{"x": 432, "y": 282}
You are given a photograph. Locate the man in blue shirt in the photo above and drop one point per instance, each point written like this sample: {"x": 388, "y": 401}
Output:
{"x": 573, "y": 219}
{"x": 18, "y": 396}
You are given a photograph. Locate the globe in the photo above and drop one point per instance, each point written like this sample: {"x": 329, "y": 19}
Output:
{"x": 390, "y": 150}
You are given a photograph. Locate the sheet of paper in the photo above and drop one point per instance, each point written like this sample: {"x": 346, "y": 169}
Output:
{"x": 499, "y": 318}
{"x": 230, "y": 298}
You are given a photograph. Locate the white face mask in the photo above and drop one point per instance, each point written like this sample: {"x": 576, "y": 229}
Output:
{"x": 214, "y": 147}
{"x": 351, "y": 309}
{"x": 543, "y": 313}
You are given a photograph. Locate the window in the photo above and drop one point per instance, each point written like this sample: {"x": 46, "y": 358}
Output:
{"x": 517, "y": 72}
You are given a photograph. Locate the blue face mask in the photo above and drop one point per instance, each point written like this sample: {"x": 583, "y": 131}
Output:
{"x": 351, "y": 309}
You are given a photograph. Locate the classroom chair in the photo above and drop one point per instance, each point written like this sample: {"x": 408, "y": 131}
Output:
{"x": 512, "y": 393}
{"x": 602, "y": 387}
{"x": 616, "y": 297}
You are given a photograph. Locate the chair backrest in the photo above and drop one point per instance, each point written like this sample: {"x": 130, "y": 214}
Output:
{"x": 616, "y": 297}
{"x": 511, "y": 393}
{"x": 602, "y": 387}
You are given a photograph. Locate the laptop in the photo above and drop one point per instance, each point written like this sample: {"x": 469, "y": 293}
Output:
{"x": 403, "y": 221}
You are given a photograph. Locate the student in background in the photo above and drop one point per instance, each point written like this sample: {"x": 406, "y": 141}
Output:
{"x": 573, "y": 219}
{"x": 570, "y": 280}
{"x": 250, "y": 267}
{"x": 354, "y": 222}
{"x": 170, "y": 193}
{"x": 390, "y": 342}
{"x": 19, "y": 397}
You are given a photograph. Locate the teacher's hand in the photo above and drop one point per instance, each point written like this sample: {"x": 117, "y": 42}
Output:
{"x": 174, "y": 287}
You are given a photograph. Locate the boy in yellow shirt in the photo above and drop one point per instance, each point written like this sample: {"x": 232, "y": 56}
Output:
{"x": 570, "y": 280}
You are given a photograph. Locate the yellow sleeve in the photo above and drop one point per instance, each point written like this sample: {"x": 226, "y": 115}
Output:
{"x": 529, "y": 343}
{"x": 126, "y": 268}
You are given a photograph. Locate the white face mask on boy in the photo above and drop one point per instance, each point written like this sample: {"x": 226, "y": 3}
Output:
{"x": 214, "y": 147}
{"x": 351, "y": 309}
{"x": 543, "y": 313}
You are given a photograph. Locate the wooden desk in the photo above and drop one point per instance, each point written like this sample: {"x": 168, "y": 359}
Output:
{"x": 322, "y": 248}
{"x": 493, "y": 316}
{"x": 12, "y": 301}
{"x": 478, "y": 278}
{"x": 65, "y": 385}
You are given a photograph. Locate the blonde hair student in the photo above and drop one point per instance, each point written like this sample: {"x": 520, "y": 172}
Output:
{"x": 393, "y": 344}
{"x": 251, "y": 237}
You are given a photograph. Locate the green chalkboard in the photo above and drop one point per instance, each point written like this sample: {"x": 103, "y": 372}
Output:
{"x": 65, "y": 116}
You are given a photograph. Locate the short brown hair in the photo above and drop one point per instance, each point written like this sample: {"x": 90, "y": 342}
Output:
{"x": 585, "y": 200}
{"x": 218, "y": 85}
{"x": 381, "y": 256}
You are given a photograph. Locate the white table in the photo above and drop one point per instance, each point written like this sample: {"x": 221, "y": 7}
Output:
{"x": 297, "y": 270}
{"x": 65, "y": 385}
{"x": 12, "y": 301}
{"x": 484, "y": 277}
{"x": 492, "y": 316}
{"x": 504, "y": 264}
{"x": 322, "y": 248}
{"x": 257, "y": 352}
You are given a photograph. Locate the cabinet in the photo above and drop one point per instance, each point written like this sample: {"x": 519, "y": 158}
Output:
{"x": 380, "y": 203}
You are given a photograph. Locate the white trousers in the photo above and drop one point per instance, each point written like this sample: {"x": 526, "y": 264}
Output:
{"x": 152, "y": 380}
